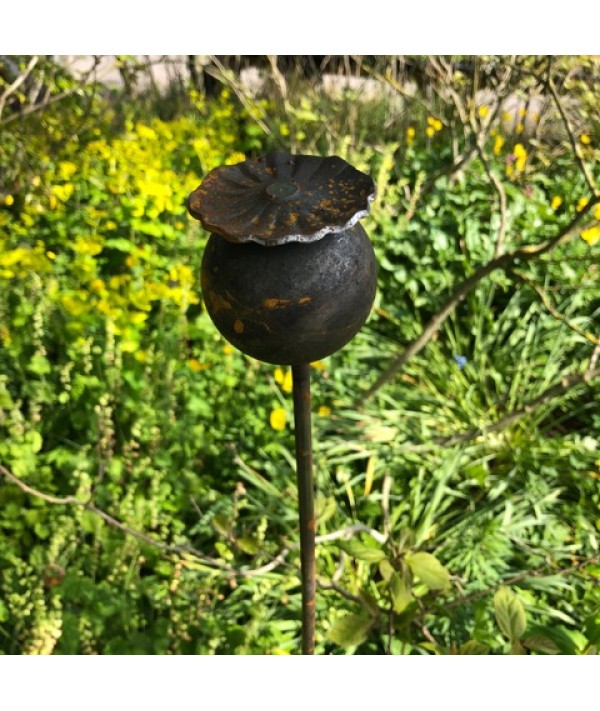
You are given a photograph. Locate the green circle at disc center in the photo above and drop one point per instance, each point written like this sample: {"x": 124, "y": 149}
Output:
{"x": 282, "y": 189}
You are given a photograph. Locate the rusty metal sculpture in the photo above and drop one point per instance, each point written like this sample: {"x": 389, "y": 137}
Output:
{"x": 289, "y": 277}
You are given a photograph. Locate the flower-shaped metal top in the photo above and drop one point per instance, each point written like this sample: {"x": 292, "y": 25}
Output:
{"x": 281, "y": 198}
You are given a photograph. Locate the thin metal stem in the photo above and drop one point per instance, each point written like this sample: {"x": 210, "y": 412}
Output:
{"x": 301, "y": 379}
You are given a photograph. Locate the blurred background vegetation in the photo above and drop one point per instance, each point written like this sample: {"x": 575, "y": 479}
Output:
{"x": 147, "y": 489}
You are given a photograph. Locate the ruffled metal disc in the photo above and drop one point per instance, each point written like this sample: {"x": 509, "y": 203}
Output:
{"x": 280, "y": 198}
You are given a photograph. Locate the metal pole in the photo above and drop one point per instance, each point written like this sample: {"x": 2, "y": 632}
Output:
{"x": 301, "y": 379}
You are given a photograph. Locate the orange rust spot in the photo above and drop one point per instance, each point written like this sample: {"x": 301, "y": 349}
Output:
{"x": 217, "y": 302}
{"x": 305, "y": 299}
{"x": 325, "y": 203}
{"x": 238, "y": 326}
{"x": 276, "y": 303}
{"x": 311, "y": 525}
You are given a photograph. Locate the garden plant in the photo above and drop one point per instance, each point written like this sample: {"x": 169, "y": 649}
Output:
{"x": 148, "y": 498}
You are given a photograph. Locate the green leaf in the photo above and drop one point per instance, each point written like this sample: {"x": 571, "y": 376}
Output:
{"x": 541, "y": 643}
{"x": 39, "y": 365}
{"x": 429, "y": 570}
{"x": 352, "y": 630}
{"x": 34, "y": 439}
{"x": 386, "y": 569}
{"x": 400, "y": 591}
{"x": 247, "y": 545}
{"x": 362, "y": 551}
{"x": 510, "y": 614}
{"x": 473, "y": 647}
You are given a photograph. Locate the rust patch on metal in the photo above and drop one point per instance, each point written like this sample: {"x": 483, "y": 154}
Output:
{"x": 276, "y": 303}
{"x": 305, "y": 299}
{"x": 238, "y": 326}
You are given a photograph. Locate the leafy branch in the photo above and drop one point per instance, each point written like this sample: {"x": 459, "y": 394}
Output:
{"x": 188, "y": 552}
{"x": 504, "y": 261}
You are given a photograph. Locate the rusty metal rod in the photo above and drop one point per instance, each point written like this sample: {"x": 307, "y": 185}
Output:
{"x": 301, "y": 380}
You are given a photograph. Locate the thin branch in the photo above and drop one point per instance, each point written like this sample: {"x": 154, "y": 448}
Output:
{"x": 279, "y": 559}
{"x": 17, "y": 82}
{"x": 541, "y": 572}
{"x": 110, "y": 520}
{"x": 568, "y": 382}
{"x": 332, "y": 585}
{"x": 587, "y": 174}
{"x": 503, "y": 261}
{"x": 224, "y": 76}
{"x": 547, "y": 302}
{"x": 499, "y": 188}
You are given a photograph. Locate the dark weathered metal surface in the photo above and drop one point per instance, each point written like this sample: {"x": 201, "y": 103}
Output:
{"x": 293, "y": 304}
{"x": 281, "y": 198}
{"x": 306, "y": 506}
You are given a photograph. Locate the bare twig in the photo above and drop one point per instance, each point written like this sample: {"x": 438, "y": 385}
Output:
{"x": 541, "y": 572}
{"x": 17, "y": 82}
{"x": 224, "y": 76}
{"x": 547, "y": 302}
{"x": 503, "y": 261}
{"x": 587, "y": 173}
{"x": 111, "y": 521}
{"x": 188, "y": 551}
{"x": 568, "y": 382}
{"x": 52, "y": 99}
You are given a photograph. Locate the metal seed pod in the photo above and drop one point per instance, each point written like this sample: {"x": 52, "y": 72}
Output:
{"x": 288, "y": 274}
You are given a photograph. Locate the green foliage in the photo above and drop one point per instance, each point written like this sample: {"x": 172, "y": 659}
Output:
{"x": 116, "y": 389}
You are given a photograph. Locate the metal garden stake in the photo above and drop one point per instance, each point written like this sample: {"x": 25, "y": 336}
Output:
{"x": 289, "y": 277}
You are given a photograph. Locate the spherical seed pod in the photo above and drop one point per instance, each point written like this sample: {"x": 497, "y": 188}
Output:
{"x": 288, "y": 274}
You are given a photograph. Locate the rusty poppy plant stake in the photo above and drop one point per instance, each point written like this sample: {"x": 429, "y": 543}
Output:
{"x": 289, "y": 277}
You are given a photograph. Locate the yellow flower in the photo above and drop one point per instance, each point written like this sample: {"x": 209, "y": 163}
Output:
{"x": 520, "y": 128}
{"x": 284, "y": 129}
{"x": 521, "y": 156}
{"x": 97, "y": 285}
{"x": 66, "y": 169}
{"x": 145, "y": 132}
{"x": 279, "y": 376}
{"x": 287, "y": 384}
{"x": 585, "y": 139}
{"x": 498, "y": 143}
{"x": 196, "y": 366}
{"x": 277, "y": 419}
{"x": 430, "y": 131}
{"x": 9, "y": 200}
{"x": 228, "y": 349}
{"x": 128, "y": 345}
{"x": 596, "y": 211}
{"x": 87, "y": 245}
{"x": 50, "y": 255}
{"x": 556, "y": 202}
{"x": 522, "y": 112}
{"x": 506, "y": 116}
{"x": 591, "y": 235}
{"x": 483, "y": 111}
{"x": 438, "y": 125}
{"x": 319, "y": 365}
{"x": 410, "y": 132}
{"x": 581, "y": 203}
{"x": 324, "y": 411}
{"x": 62, "y": 192}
